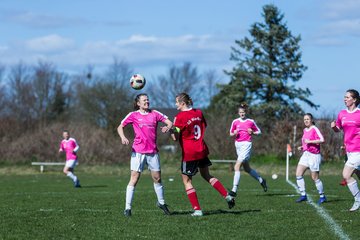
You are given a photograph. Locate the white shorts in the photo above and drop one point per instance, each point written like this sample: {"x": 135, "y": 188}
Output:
{"x": 353, "y": 160}
{"x": 243, "y": 150}
{"x": 138, "y": 161}
{"x": 311, "y": 160}
{"x": 71, "y": 163}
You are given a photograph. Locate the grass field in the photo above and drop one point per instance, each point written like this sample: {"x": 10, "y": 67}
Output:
{"x": 46, "y": 206}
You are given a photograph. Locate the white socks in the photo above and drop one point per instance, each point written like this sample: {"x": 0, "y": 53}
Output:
{"x": 354, "y": 189}
{"x": 319, "y": 187}
{"x": 72, "y": 176}
{"x": 129, "y": 196}
{"x": 236, "y": 181}
{"x": 159, "y": 190}
{"x": 301, "y": 185}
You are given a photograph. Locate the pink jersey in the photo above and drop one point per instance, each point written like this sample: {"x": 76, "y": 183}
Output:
{"x": 242, "y": 126}
{"x": 349, "y": 122}
{"x": 70, "y": 148}
{"x": 312, "y": 133}
{"x": 145, "y": 127}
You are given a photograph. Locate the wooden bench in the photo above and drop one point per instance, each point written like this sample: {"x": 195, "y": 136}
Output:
{"x": 42, "y": 164}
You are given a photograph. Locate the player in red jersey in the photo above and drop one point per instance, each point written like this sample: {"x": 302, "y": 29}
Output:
{"x": 190, "y": 124}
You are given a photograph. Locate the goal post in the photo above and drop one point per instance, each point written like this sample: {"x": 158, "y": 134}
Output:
{"x": 288, "y": 155}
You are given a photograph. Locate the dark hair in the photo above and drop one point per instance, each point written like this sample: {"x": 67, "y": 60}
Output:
{"x": 354, "y": 94}
{"x": 311, "y": 117}
{"x": 244, "y": 106}
{"x": 137, "y": 99}
{"x": 67, "y": 131}
{"x": 185, "y": 98}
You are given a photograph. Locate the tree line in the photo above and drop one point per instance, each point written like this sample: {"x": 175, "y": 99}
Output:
{"x": 38, "y": 101}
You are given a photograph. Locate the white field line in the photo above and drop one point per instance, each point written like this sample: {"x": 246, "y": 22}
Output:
{"x": 327, "y": 218}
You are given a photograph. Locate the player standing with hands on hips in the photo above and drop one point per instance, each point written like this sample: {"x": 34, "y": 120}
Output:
{"x": 70, "y": 147}
{"x": 348, "y": 121}
{"x": 144, "y": 150}
{"x": 190, "y": 125}
{"x": 242, "y": 128}
{"x": 310, "y": 159}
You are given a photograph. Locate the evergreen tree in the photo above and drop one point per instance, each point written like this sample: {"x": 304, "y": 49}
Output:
{"x": 268, "y": 64}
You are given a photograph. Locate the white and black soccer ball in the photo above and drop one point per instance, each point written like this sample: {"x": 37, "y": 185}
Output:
{"x": 137, "y": 81}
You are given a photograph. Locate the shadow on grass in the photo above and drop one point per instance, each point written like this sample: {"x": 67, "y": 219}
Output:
{"x": 335, "y": 200}
{"x": 217, "y": 212}
{"x": 94, "y": 186}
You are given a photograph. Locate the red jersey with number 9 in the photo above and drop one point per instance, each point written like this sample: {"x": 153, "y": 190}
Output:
{"x": 192, "y": 126}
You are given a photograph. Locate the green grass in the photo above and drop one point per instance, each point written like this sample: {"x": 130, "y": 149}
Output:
{"x": 46, "y": 206}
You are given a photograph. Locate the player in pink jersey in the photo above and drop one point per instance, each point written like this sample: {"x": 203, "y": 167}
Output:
{"x": 190, "y": 124}
{"x": 70, "y": 147}
{"x": 144, "y": 150}
{"x": 310, "y": 159}
{"x": 242, "y": 128}
{"x": 348, "y": 121}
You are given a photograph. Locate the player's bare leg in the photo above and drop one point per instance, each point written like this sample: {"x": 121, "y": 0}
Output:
{"x": 215, "y": 183}
{"x": 69, "y": 172}
{"x": 236, "y": 179}
{"x": 255, "y": 175}
{"x": 300, "y": 170}
{"x": 130, "y": 189}
{"x": 353, "y": 186}
{"x": 159, "y": 190}
{"x": 319, "y": 186}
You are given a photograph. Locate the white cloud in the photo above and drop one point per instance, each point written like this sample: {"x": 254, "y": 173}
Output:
{"x": 340, "y": 9}
{"x": 140, "y": 51}
{"x": 49, "y": 43}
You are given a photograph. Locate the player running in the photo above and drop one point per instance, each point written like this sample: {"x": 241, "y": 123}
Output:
{"x": 348, "y": 120}
{"x": 242, "y": 128}
{"x": 310, "y": 159}
{"x": 70, "y": 147}
{"x": 144, "y": 150}
{"x": 190, "y": 124}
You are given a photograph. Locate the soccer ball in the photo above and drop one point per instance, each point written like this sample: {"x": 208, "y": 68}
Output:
{"x": 137, "y": 81}
{"x": 274, "y": 176}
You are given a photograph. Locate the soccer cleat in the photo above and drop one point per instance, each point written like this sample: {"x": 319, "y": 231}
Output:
{"x": 163, "y": 207}
{"x": 232, "y": 193}
{"x": 230, "y": 201}
{"x": 355, "y": 206}
{"x": 127, "y": 212}
{"x": 322, "y": 200}
{"x": 77, "y": 184}
{"x": 263, "y": 184}
{"x": 197, "y": 213}
{"x": 302, "y": 198}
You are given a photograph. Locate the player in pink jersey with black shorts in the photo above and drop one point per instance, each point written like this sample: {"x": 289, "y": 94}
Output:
{"x": 242, "y": 128}
{"x": 70, "y": 147}
{"x": 310, "y": 159}
{"x": 144, "y": 149}
{"x": 190, "y": 124}
{"x": 348, "y": 121}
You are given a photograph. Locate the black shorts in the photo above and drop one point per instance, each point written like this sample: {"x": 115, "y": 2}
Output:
{"x": 190, "y": 168}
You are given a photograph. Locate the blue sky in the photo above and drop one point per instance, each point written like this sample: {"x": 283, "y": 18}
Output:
{"x": 152, "y": 35}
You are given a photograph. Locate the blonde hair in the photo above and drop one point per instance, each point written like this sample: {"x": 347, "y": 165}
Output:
{"x": 185, "y": 98}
